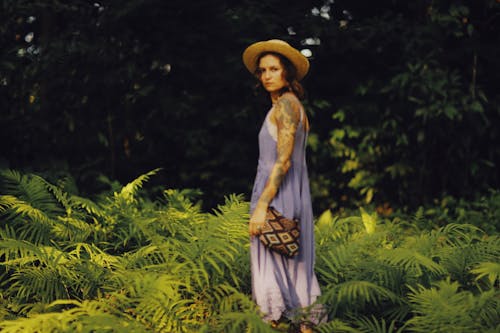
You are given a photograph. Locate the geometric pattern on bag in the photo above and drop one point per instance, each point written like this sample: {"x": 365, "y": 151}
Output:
{"x": 280, "y": 234}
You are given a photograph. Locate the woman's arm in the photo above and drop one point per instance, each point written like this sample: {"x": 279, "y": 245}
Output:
{"x": 287, "y": 117}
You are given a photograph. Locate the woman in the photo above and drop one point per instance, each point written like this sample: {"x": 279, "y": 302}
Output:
{"x": 281, "y": 286}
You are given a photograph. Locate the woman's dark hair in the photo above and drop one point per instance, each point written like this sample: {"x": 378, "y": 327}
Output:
{"x": 290, "y": 75}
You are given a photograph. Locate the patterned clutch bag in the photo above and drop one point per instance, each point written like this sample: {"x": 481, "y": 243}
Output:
{"x": 280, "y": 234}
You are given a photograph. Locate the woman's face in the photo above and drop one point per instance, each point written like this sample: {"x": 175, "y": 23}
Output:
{"x": 271, "y": 73}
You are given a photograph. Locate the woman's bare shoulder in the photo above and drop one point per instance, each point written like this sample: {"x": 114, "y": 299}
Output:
{"x": 288, "y": 105}
{"x": 292, "y": 105}
{"x": 291, "y": 98}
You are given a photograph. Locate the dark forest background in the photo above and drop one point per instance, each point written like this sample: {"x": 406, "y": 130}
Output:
{"x": 403, "y": 97}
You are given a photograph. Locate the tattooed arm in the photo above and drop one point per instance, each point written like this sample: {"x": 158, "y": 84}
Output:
{"x": 286, "y": 115}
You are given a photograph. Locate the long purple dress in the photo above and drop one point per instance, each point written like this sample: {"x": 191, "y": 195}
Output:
{"x": 280, "y": 285}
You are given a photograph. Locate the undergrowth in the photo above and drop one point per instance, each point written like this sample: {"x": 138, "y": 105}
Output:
{"x": 126, "y": 263}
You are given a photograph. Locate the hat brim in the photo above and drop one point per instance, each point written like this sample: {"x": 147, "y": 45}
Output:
{"x": 252, "y": 53}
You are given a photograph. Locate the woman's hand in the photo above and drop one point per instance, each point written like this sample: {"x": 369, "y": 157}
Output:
{"x": 257, "y": 220}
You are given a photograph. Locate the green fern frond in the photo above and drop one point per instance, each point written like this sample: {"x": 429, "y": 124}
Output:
{"x": 32, "y": 223}
{"x": 31, "y": 189}
{"x": 488, "y": 269}
{"x": 369, "y": 220}
{"x": 226, "y": 298}
{"x": 41, "y": 323}
{"x": 71, "y": 229}
{"x": 88, "y": 205}
{"x": 413, "y": 262}
{"x": 85, "y": 317}
{"x": 333, "y": 264}
{"x": 230, "y": 202}
{"x": 95, "y": 270}
{"x": 336, "y": 326}
{"x": 146, "y": 256}
{"x": 40, "y": 272}
{"x": 385, "y": 274}
{"x": 221, "y": 242}
{"x": 230, "y": 220}
{"x": 180, "y": 200}
{"x": 61, "y": 196}
{"x": 43, "y": 284}
{"x": 418, "y": 218}
{"x": 487, "y": 308}
{"x": 487, "y": 249}
{"x": 18, "y": 252}
{"x": 164, "y": 314}
{"x": 375, "y": 325}
{"x": 329, "y": 229}
{"x": 460, "y": 257}
{"x": 155, "y": 299}
{"x": 10, "y": 180}
{"x": 351, "y": 295}
{"x": 132, "y": 232}
{"x": 129, "y": 191}
{"x": 84, "y": 251}
{"x": 459, "y": 234}
{"x": 52, "y": 273}
{"x": 23, "y": 209}
{"x": 177, "y": 224}
{"x": 353, "y": 224}
{"x": 442, "y": 308}
{"x": 236, "y": 322}
{"x": 8, "y": 232}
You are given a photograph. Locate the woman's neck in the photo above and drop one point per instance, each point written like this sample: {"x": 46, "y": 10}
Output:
{"x": 274, "y": 96}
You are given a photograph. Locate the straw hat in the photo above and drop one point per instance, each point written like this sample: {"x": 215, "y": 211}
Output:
{"x": 252, "y": 53}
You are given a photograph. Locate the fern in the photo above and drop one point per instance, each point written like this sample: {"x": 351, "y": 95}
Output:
{"x": 30, "y": 189}
{"x": 39, "y": 209}
{"x": 463, "y": 255}
{"x": 354, "y": 295}
{"x": 333, "y": 264}
{"x": 444, "y": 308}
{"x": 123, "y": 263}
{"x": 145, "y": 257}
{"x": 181, "y": 200}
{"x": 330, "y": 229}
{"x": 491, "y": 270}
{"x": 337, "y": 326}
{"x": 459, "y": 234}
{"x": 413, "y": 262}
{"x": 128, "y": 192}
{"x": 61, "y": 196}
{"x": 235, "y": 322}
{"x": 369, "y": 221}
{"x": 71, "y": 229}
{"x": 39, "y": 273}
{"x": 374, "y": 325}
{"x": 34, "y": 224}
{"x": 87, "y": 316}
{"x": 233, "y": 312}
{"x": 154, "y": 298}
{"x": 418, "y": 219}
{"x": 87, "y": 205}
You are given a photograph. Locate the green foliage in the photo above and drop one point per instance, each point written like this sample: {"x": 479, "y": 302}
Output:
{"x": 444, "y": 306}
{"x": 115, "y": 86}
{"x": 125, "y": 263}
{"x": 411, "y": 118}
{"x": 149, "y": 266}
{"x": 483, "y": 212}
{"x": 377, "y": 274}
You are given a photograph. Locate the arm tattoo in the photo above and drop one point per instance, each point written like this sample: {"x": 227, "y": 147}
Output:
{"x": 287, "y": 115}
